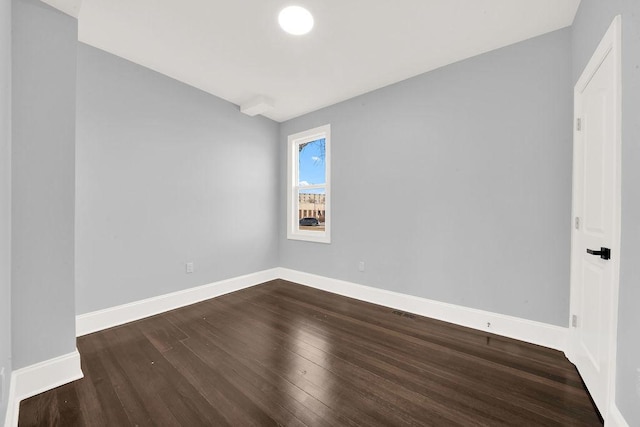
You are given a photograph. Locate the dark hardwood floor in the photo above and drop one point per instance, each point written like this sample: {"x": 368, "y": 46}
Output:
{"x": 285, "y": 354}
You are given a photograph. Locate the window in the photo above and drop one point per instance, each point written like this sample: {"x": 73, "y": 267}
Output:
{"x": 308, "y": 198}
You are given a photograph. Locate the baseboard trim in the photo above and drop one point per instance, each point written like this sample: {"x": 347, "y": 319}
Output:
{"x": 35, "y": 379}
{"x": 121, "y": 314}
{"x": 513, "y": 327}
{"x": 615, "y": 417}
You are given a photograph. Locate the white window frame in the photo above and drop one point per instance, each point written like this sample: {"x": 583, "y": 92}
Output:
{"x": 293, "y": 187}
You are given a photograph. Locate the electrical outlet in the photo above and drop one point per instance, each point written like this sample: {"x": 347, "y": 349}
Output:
{"x": 189, "y": 267}
{"x": 361, "y": 266}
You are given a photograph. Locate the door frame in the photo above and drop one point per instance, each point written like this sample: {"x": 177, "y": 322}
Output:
{"x": 610, "y": 44}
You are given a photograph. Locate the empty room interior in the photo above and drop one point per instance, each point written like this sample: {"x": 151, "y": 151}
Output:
{"x": 419, "y": 212}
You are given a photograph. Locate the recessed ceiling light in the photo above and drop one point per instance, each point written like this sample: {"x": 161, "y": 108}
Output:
{"x": 295, "y": 20}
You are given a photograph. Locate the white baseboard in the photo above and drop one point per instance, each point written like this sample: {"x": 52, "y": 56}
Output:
{"x": 118, "y": 315}
{"x": 615, "y": 417}
{"x": 35, "y": 379}
{"x": 513, "y": 327}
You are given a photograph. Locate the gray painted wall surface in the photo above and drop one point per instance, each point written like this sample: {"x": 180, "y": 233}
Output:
{"x": 5, "y": 199}
{"x": 454, "y": 185}
{"x": 591, "y": 22}
{"x": 166, "y": 174}
{"x": 43, "y": 126}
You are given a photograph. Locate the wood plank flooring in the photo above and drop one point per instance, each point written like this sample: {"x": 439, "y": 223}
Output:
{"x": 285, "y": 354}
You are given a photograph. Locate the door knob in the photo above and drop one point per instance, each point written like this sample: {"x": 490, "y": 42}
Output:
{"x": 605, "y": 253}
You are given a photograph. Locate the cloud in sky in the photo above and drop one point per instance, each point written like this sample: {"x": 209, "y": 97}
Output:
{"x": 316, "y": 159}
{"x": 303, "y": 183}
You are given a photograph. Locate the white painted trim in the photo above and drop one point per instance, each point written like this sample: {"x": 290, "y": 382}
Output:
{"x": 118, "y": 315}
{"x": 615, "y": 418}
{"x": 35, "y": 379}
{"x": 513, "y": 327}
{"x": 293, "y": 141}
{"x": 611, "y": 43}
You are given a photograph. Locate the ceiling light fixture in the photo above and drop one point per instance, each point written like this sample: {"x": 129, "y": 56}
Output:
{"x": 295, "y": 20}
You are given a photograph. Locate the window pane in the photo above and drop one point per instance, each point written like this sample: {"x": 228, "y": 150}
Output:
{"x": 311, "y": 209}
{"x": 311, "y": 169}
{"x": 308, "y": 186}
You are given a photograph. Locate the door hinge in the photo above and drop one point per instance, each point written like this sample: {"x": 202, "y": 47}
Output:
{"x": 574, "y": 320}
{"x": 578, "y": 124}
{"x": 577, "y": 223}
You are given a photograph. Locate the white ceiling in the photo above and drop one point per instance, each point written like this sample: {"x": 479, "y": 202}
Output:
{"x": 235, "y": 49}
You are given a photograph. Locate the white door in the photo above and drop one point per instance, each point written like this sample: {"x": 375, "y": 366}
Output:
{"x": 596, "y": 226}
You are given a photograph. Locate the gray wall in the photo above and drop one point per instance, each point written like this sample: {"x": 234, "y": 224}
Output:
{"x": 454, "y": 185}
{"x": 591, "y": 22}
{"x": 166, "y": 174}
{"x": 5, "y": 199}
{"x": 43, "y": 126}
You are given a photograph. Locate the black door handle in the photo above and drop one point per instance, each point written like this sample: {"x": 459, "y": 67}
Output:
{"x": 605, "y": 253}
